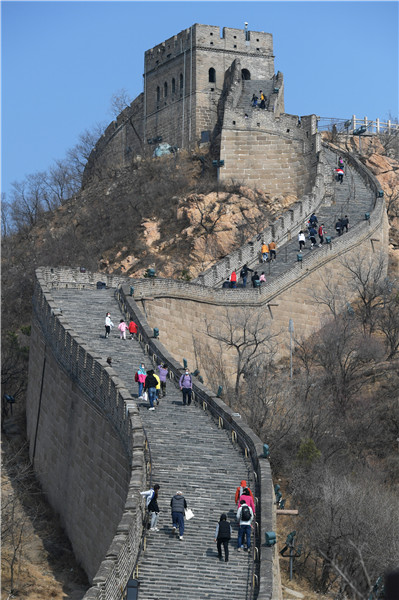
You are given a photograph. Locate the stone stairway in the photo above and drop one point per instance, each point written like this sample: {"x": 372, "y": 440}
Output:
{"x": 189, "y": 453}
{"x": 352, "y": 198}
{"x": 251, "y": 87}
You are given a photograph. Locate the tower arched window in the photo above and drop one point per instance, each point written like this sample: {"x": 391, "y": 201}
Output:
{"x": 245, "y": 74}
{"x": 181, "y": 82}
{"x": 212, "y": 75}
{"x": 165, "y": 89}
{"x": 173, "y": 85}
{"x": 158, "y": 93}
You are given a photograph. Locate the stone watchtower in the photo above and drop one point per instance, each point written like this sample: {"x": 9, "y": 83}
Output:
{"x": 184, "y": 78}
{"x": 197, "y": 89}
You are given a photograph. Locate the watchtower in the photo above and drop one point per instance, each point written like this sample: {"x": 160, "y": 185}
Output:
{"x": 184, "y": 79}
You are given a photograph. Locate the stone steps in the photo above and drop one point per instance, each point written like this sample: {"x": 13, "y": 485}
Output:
{"x": 331, "y": 209}
{"x": 189, "y": 453}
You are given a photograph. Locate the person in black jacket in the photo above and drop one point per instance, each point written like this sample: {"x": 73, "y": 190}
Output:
{"x": 150, "y": 387}
{"x": 244, "y": 274}
{"x": 222, "y": 536}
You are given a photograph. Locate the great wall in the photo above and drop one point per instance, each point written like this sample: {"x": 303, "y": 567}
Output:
{"x": 93, "y": 444}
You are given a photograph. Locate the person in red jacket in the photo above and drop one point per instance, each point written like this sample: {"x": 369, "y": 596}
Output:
{"x": 240, "y": 489}
{"x": 233, "y": 279}
{"x": 132, "y": 330}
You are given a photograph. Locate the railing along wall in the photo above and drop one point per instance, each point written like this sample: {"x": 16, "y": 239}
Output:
{"x": 240, "y": 433}
{"x": 106, "y": 393}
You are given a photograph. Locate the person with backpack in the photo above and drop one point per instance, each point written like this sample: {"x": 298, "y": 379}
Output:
{"x": 245, "y": 516}
{"x": 338, "y": 227}
{"x": 140, "y": 378}
{"x": 186, "y": 386}
{"x": 248, "y": 499}
{"x": 233, "y": 279}
{"x": 262, "y": 100}
{"x": 222, "y": 537}
{"x": 151, "y": 497}
{"x": 150, "y": 386}
{"x": 312, "y": 237}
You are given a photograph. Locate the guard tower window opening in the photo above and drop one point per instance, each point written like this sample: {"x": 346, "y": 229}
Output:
{"x": 245, "y": 74}
{"x": 165, "y": 89}
{"x": 212, "y": 75}
{"x": 173, "y": 85}
{"x": 247, "y": 35}
{"x": 158, "y": 93}
{"x": 181, "y": 82}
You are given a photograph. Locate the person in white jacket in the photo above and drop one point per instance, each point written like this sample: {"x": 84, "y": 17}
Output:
{"x": 151, "y": 497}
{"x": 301, "y": 240}
{"x": 108, "y": 324}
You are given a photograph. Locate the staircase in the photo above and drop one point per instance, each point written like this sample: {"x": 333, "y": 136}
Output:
{"x": 189, "y": 453}
{"x": 352, "y": 198}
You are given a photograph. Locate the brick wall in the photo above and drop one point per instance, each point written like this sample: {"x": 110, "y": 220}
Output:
{"x": 85, "y": 446}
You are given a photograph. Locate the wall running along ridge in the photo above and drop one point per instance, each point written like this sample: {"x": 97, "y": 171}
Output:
{"x": 82, "y": 423}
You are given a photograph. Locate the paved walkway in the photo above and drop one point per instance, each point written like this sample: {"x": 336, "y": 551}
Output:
{"x": 352, "y": 198}
{"x": 190, "y": 454}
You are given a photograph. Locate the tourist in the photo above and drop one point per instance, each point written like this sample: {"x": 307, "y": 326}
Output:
{"x": 262, "y": 100}
{"x": 243, "y": 486}
{"x": 244, "y": 274}
{"x": 244, "y": 517}
{"x": 133, "y": 330}
{"x": 273, "y": 248}
{"x": 262, "y": 277}
{"x": 255, "y": 279}
{"x": 150, "y": 386}
{"x": 265, "y": 252}
{"x": 178, "y": 505}
{"x": 345, "y": 224}
{"x": 312, "y": 237}
{"x": 122, "y": 329}
{"x": 108, "y": 324}
{"x": 140, "y": 378}
{"x": 248, "y": 499}
{"x": 151, "y": 497}
{"x": 321, "y": 232}
{"x": 254, "y": 101}
{"x": 222, "y": 537}
{"x": 186, "y": 386}
{"x": 233, "y": 280}
{"x": 163, "y": 374}
{"x": 338, "y": 227}
{"x": 301, "y": 240}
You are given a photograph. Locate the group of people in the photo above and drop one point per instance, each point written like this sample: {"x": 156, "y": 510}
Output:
{"x": 339, "y": 171}
{"x": 154, "y": 385}
{"x": 255, "y": 98}
{"x": 245, "y": 506}
{"x": 123, "y": 327}
{"x": 268, "y": 252}
{"x": 313, "y": 230}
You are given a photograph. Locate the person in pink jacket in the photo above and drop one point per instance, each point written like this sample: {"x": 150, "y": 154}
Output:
{"x": 246, "y": 496}
{"x": 122, "y": 329}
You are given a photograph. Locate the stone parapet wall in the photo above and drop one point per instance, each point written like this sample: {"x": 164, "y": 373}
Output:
{"x": 240, "y": 433}
{"x": 86, "y": 441}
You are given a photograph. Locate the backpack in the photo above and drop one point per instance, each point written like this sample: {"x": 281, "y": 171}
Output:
{"x": 245, "y": 513}
{"x": 136, "y": 377}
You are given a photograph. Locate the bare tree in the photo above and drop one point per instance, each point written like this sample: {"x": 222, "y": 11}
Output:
{"x": 78, "y": 156}
{"x": 120, "y": 100}
{"x": 366, "y": 277}
{"x": 247, "y": 334}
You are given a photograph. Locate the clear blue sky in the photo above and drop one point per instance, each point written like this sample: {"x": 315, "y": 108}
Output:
{"x": 62, "y": 61}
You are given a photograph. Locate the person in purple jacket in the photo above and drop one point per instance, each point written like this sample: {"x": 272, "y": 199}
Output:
{"x": 163, "y": 373}
{"x": 186, "y": 385}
